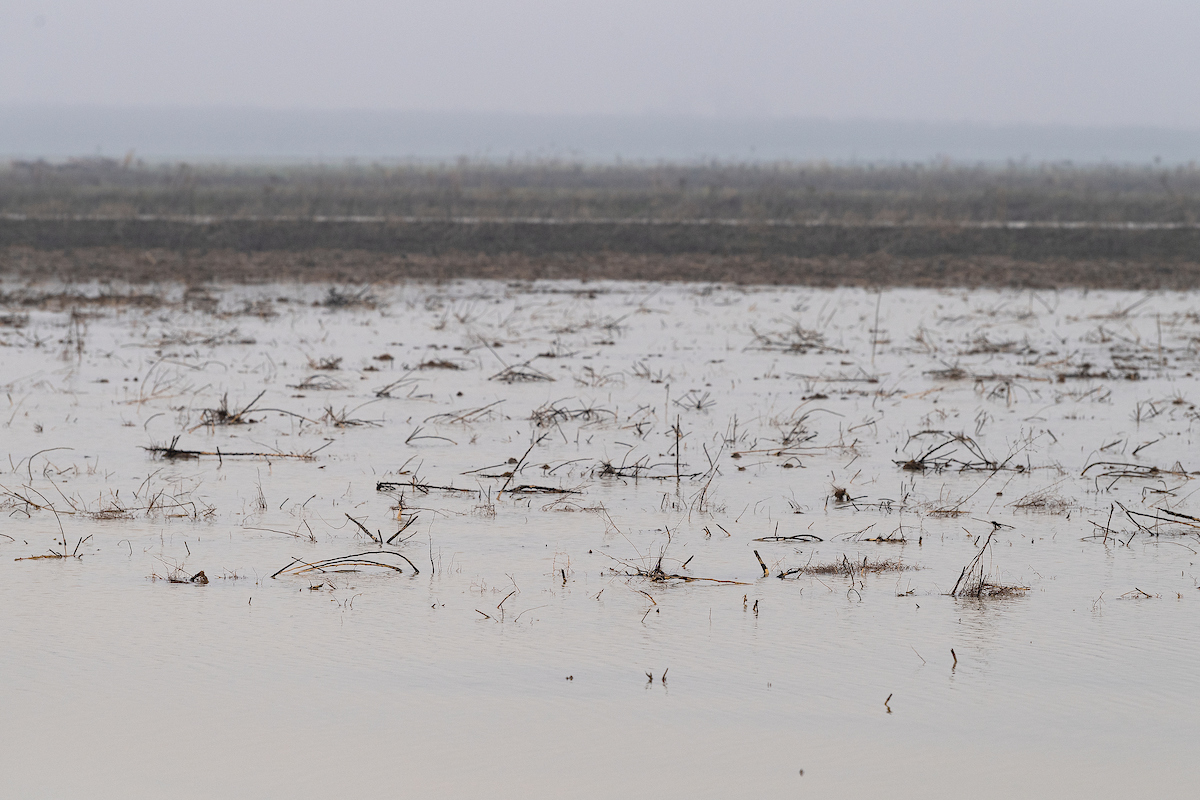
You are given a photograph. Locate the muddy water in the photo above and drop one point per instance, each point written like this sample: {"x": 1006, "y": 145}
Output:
{"x": 594, "y": 434}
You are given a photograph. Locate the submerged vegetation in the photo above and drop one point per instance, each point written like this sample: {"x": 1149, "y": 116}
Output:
{"x": 508, "y": 505}
{"x": 819, "y": 437}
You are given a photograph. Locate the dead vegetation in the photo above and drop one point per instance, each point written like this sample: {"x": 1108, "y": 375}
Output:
{"x": 319, "y": 383}
{"x": 342, "y": 419}
{"x": 221, "y": 415}
{"x": 820, "y": 439}
{"x": 439, "y": 363}
{"x": 1120, "y": 470}
{"x": 59, "y": 554}
{"x": 1046, "y": 501}
{"x": 338, "y": 299}
{"x": 355, "y": 562}
{"x": 520, "y": 373}
{"x": 1162, "y": 522}
{"x": 172, "y": 451}
{"x": 975, "y": 582}
{"x": 651, "y": 569}
{"x": 34, "y": 298}
{"x": 792, "y": 339}
{"x": 949, "y": 450}
{"x": 853, "y": 569}
{"x": 558, "y": 412}
{"x": 327, "y": 363}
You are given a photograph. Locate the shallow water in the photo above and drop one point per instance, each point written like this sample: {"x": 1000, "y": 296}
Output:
{"x": 1078, "y": 680}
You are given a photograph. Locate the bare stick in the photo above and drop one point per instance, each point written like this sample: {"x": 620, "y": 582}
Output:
{"x": 363, "y": 528}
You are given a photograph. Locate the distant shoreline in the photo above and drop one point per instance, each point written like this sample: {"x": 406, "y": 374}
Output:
{"x": 198, "y": 267}
{"x": 222, "y": 134}
{"x": 208, "y": 220}
{"x": 541, "y": 238}
{"x": 954, "y": 227}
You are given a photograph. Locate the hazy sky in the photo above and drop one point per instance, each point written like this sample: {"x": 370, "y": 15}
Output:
{"x": 1088, "y": 62}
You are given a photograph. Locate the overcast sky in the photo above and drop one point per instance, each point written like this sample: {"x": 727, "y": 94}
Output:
{"x": 1084, "y": 62}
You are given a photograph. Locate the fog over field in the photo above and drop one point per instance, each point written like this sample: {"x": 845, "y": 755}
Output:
{"x": 867, "y": 80}
{"x": 1045, "y": 62}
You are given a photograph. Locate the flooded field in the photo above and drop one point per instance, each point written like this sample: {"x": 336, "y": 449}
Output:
{"x": 591, "y": 540}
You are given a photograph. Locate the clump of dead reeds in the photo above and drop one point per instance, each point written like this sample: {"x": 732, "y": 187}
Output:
{"x": 793, "y": 339}
{"x": 318, "y": 383}
{"x": 949, "y": 450}
{"x": 655, "y": 573}
{"x": 1163, "y": 522}
{"x": 974, "y": 582}
{"x": 640, "y": 370}
{"x": 193, "y": 338}
{"x": 520, "y": 373}
{"x": 1120, "y": 470}
{"x": 355, "y": 562}
{"x": 953, "y": 373}
{"x": 221, "y": 415}
{"x": 695, "y": 400}
{"x": 848, "y": 568}
{"x": 172, "y": 451}
{"x": 342, "y": 419}
{"x": 392, "y": 389}
{"x": 557, "y": 412}
{"x": 439, "y": 363}
{"x": 328, "y": 363}
{"x": 1045, "y": 501}
{"x": 342, "y": 299}
{"x": 262, "y": 308}
{"x": 982, "y": 345}
{"x": 607, "y": 469}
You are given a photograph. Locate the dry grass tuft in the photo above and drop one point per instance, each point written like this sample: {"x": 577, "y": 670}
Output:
{"x": 972, "y": 582}
{"x": 850, "y": 569}
{"x": 438, "y": 363}
{"x": 328, "y": 364}
{"x": 1045, "y": 501}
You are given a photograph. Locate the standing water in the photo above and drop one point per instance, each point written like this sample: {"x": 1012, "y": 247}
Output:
{"x": 594, "y": 540}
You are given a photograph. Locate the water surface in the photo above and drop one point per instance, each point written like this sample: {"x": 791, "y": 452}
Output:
{"x": 526, "y": 658}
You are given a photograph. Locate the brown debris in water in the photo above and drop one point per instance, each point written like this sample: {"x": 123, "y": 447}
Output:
{"x": 850, "y": 569}
{"x": 973, "y": 582}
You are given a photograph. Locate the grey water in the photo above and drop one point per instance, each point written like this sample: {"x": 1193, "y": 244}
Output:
{"x": 811, "y": 469}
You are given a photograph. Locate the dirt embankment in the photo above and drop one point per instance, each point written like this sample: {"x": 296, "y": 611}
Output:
{"x": 818, "y": 255}
{"x": 357, "y": 266}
